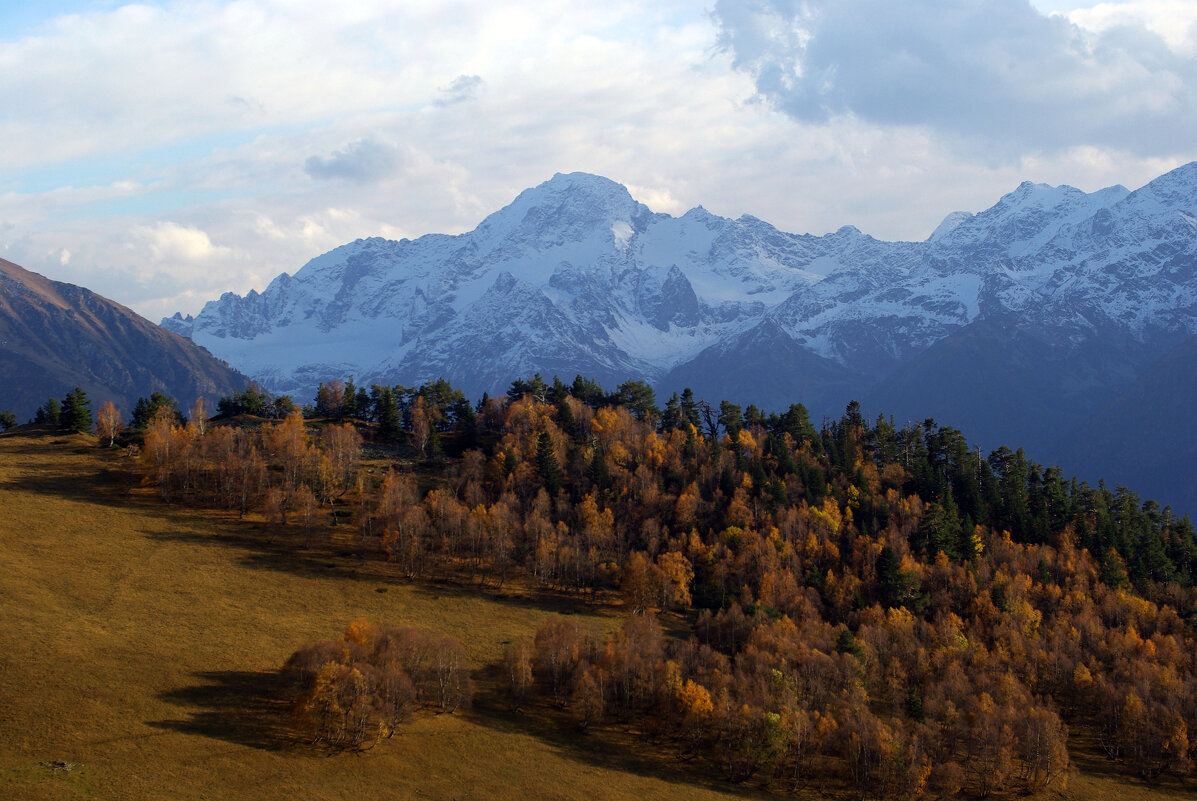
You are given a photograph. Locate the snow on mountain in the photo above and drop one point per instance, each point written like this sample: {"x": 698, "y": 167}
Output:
{"x": 575, "y": 276}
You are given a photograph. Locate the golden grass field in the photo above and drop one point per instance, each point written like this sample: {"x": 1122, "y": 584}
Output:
{"x": 140, "y": 641}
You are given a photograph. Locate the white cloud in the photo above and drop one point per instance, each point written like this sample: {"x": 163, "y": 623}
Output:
{"x": 1174, "y": 21}
{"x": 1000, "y": 76}
{"x": 169, "y": 241}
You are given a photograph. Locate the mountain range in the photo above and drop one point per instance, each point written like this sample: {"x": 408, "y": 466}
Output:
{"x": 55, "y": 336}
{"x": 1021, "y": 325}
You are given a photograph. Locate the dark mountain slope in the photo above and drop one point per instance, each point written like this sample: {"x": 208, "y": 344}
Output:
{"x": 54, "y": 336}
{"x": 766, "y": 367}
{"x": 1145, "y": 437}
{"x": 1008, "y": 382}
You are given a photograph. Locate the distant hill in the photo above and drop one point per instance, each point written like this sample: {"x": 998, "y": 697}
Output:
{"x": 54, "y": 336}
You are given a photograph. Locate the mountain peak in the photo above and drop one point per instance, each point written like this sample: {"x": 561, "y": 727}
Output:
{"x": 1042, "y": 195}
{"x": 582, "y": 180}
{"x": 1176, "y": 189}
{"x": 567, "y": 207}
{"x": 949, "y": 224}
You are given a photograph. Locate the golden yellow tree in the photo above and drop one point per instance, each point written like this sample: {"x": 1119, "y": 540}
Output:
{"x": 108, "y": 422}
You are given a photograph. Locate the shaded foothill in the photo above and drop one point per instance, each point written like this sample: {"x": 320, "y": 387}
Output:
{"x": 112, "y": 484}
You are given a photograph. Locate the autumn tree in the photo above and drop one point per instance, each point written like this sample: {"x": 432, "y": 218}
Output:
{"x": 305, "y": 505}
{"x": 341, "y": 447}
{"x": 517, "y": 671}
{"x": 558, "y": 647}
{"x": 200, "y": 413}
{"x": 289, "y": 447}
{"x": 161, "y": 449}
{"x": 108, "y": 422}
{"x": 356, "y": 690}
{"x": 421, "y": 425}
{"x": 640, "y": 582}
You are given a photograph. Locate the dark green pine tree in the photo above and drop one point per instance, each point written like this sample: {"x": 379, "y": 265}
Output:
{"x": 76, "y": 414}
{"x": 547, "y": 466}
{"x": 349, "y": 403}
{"x": 50, "y": 413}
{"x": 689, "y": 409}
{"x": 671, "y": 418}
{"x": 558, "y": 392}
{"x": 588, "y": 391}
{"x": 386, "y": 412}
{"x": 7, "y": 419}
{"x": 753, "y": 416}
{"x": 731, "y": 418}
{"x": 598, "y": 472}
{"x": 565, "y": 416}
{"x": 146, "y": 408}
{"x": 638, "y": 397}
{"x": 362, "y": 404}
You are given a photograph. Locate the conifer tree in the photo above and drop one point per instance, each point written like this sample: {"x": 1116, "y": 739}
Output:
{"x": 362, "y": 404}
{"x": 671, "y": 418}
{"x": 731, "y": 418}
{"x": 49, "y": 413}
{"x": 547, "y": 465}
{"x": 76, "y": 416}
{"x": 588, "y": 391}
{"x": 386, "y": 412}
{"x": 349, "y": 402}
{"x": 638, "y": 397}
{"x": 147, "y": 408}
{"x": 689, "y": 408}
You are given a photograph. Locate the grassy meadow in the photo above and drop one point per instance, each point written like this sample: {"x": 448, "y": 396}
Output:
{"x": 140, "y": 641}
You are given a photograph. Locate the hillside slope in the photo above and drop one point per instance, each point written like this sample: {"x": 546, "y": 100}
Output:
{"x": 54, "y": 336}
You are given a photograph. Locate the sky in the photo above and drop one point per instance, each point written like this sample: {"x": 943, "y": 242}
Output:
{"x": 163, "y": 153}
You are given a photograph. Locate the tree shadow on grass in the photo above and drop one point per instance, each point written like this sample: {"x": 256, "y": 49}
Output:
{"x": 1087, "y": 755}
{"x": 236, "y": 706}
{"x": 610, "y": 747}
{"x": 284, "y": 552}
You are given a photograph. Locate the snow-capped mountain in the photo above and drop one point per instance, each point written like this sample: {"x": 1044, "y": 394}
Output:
{"x": 1012, "y": 324}
{"x": 577, "y": 277}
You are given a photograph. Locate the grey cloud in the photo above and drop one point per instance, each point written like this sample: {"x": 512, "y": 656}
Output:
{"x": 994, "y": 73}
{"x": 364, "y": 161}
{"x": 463, "y": 88}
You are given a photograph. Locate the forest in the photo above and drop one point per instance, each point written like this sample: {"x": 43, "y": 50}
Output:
{"x": 883, "y": 606}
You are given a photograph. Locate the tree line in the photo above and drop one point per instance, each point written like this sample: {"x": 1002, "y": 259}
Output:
{"x": 886, "y": 605}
